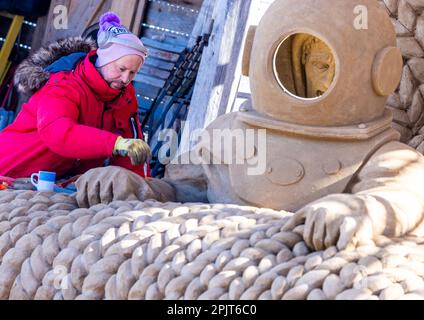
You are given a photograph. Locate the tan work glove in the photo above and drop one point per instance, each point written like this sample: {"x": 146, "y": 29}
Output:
{"x": 136, "y": 149}
{"x": 104, "y": 185}
{"x": 338, "y": 219}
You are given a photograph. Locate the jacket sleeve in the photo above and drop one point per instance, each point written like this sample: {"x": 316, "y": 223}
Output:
{"x": 57, "y": 122}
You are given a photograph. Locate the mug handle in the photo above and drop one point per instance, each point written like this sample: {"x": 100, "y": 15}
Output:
{"x": 35, "y": 184}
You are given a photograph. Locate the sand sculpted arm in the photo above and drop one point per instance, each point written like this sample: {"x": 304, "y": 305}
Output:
{"x": 386, "y": 199}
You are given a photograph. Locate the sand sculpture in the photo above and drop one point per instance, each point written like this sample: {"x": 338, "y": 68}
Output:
{"x": 331, "y": 153}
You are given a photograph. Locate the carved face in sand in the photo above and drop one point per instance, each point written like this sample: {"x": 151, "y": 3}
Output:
{"x": 305, "y": 65}
{"x": 319, "y": 67}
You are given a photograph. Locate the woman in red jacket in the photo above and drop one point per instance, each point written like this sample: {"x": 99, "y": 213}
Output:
{"x": 80, "y": 117}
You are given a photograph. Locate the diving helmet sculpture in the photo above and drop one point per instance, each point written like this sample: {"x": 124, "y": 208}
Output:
{"x": 319, "y": 88}
{"x": 319, "y": 85}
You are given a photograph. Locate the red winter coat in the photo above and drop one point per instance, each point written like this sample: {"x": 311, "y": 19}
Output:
{"x": 70, "y": 125}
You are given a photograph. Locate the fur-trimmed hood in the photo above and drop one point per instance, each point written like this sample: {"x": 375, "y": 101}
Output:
{"x": 30, "y": 74}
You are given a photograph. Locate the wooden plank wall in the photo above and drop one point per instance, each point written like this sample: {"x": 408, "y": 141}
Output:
{"x": 171, "y": 20}
{"x": 165, "y": 31}
{"x": 126, "y": 11}
{"x": 219, "y": 71}
{"x": 81, "y": 14}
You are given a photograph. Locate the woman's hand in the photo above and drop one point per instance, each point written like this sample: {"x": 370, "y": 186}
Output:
{"x": 136, "y": 149}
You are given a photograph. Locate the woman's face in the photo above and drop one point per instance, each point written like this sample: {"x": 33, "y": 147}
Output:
{"x": 119, "y": 73}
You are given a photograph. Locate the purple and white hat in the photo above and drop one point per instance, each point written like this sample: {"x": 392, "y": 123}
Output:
{"x": 115, "y": 41}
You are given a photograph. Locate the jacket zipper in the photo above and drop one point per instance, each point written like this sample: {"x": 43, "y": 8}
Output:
{"x": 134, "y": 128}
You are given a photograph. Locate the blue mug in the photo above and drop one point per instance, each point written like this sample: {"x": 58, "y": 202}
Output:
{"x": 45, "y": 180}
